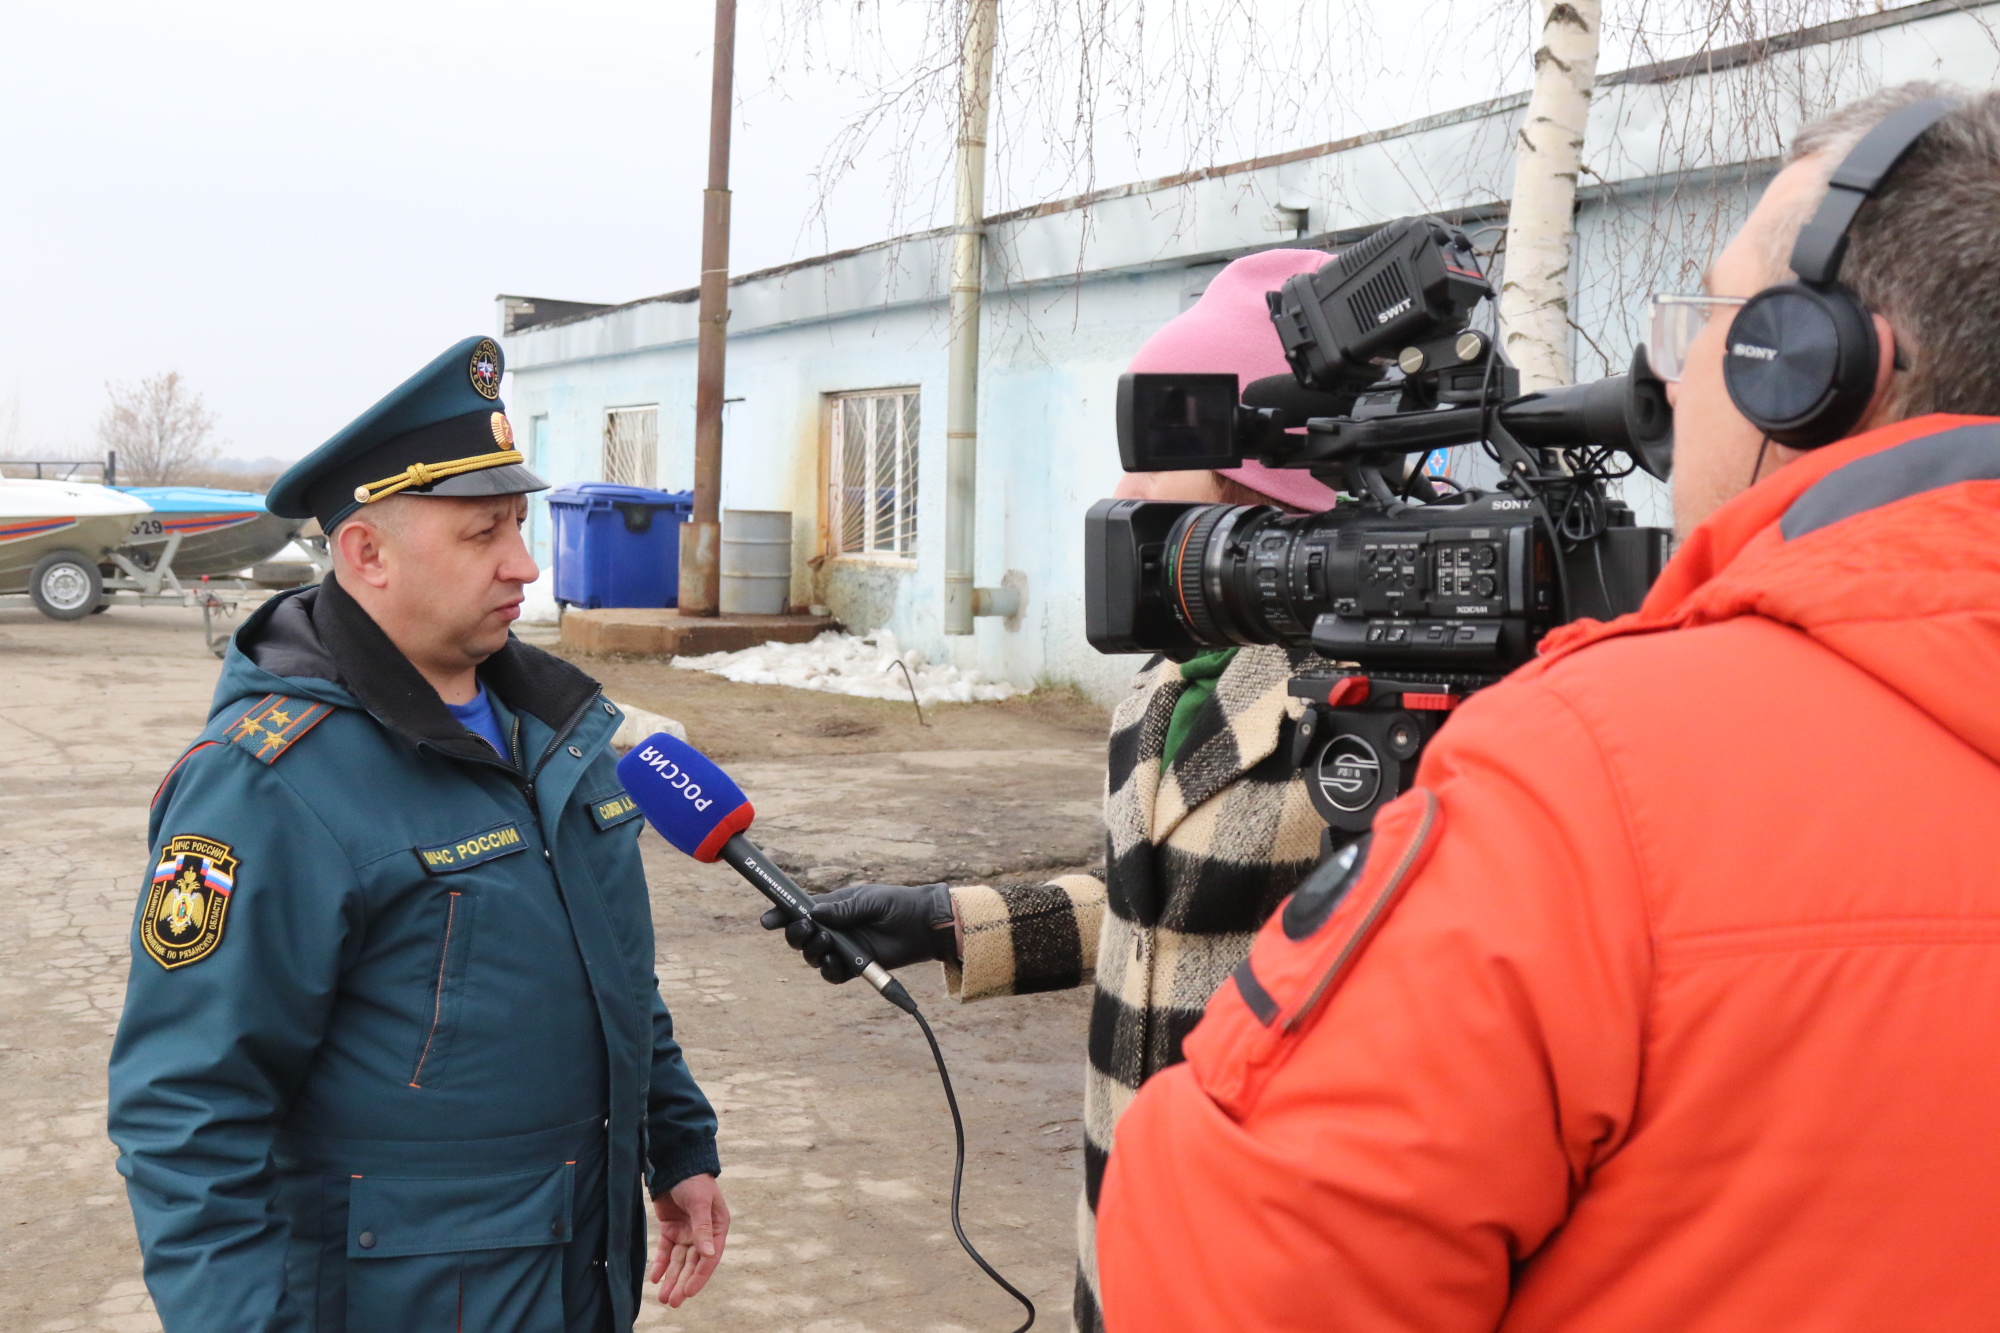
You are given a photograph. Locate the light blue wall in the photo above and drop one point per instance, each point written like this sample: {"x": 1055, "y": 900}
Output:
{"x": 1047, "y": 447}
{"x": 1047, "y": 443}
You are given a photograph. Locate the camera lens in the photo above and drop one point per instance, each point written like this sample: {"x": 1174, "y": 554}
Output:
{"x": 1244, "y": 574}
{"x": 1190, "y": 545}
{"x": 1353, "y": 583}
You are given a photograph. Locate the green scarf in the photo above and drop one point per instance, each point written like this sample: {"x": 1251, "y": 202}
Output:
{"x": 1200, "y": 673}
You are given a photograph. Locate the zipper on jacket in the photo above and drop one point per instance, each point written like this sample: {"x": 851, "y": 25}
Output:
{"x": 437, "y": 1000}
{"x": 512, "y": 764}
{"x": 563, "y": 735}
{"x": 525, "y": 781}
{"x": 521, "y": 768}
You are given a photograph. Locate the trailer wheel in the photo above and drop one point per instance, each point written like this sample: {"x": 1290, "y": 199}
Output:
{"x": 65, "y": 585}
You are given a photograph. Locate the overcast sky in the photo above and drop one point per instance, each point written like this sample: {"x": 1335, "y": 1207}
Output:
{"x": 295, "y": 206}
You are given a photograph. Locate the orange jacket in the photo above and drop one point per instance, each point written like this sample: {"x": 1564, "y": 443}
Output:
{"x": 1669, "y": 999}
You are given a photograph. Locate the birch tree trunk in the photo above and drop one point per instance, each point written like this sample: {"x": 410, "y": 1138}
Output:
{"x": 1534, "y": 298}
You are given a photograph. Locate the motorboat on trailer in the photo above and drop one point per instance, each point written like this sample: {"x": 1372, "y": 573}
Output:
{"x": 219, "y": 532}
{"x": 75, "y": 547}
{"x": 53, "y": 537}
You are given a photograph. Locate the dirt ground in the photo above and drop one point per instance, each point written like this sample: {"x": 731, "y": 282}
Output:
{"x": 976, "y": 791}
{"x": 835, "y": 1142}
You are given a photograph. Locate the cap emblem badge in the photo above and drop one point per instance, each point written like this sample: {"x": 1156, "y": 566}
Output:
{"x": 503, "y": 431}
{"x": 485, "y": 369}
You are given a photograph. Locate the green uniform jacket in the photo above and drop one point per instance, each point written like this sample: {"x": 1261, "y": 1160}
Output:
{"x": 393, "y": 1054}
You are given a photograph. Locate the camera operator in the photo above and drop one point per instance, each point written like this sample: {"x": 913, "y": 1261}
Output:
{"x": 1209, "y": 824}
{"x": 1669, "y": 997}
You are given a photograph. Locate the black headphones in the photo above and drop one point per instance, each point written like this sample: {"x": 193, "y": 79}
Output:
{"x": 1801, "y": 357}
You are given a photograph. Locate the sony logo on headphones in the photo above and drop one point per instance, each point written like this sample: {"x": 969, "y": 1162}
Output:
{"x": 1753, "y": 353}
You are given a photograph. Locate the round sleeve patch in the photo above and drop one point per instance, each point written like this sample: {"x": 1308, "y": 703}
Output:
{"x": 1314, "y": 900}
{"x": 188, "y": 901}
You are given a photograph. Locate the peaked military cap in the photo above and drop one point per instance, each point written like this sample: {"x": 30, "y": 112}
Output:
{"x": 443, "y": 431}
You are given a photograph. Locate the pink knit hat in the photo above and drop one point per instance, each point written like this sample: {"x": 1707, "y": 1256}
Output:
{"x": 1229, "y": 329}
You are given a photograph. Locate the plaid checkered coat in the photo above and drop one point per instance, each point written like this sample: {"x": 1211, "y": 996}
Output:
{"x": 1197, "y": 857}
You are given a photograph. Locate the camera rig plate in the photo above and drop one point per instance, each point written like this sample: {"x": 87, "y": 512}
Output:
{"x": 1361, "y": 737}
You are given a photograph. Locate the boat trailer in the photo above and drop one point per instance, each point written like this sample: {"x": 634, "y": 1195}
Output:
{"x": 142, "y": 582}
{"x": 218, "y": 598}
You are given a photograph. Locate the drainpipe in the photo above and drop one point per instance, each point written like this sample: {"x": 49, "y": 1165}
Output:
{"x": 961, "y": 460}
{"x": 701, "y": 540}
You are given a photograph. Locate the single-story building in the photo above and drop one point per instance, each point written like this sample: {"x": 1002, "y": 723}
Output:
{"x": 837, "y": 364}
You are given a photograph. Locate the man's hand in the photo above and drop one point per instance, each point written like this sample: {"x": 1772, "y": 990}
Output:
{"x": 694, "y": 1226}
{"x": 896, "y": 926}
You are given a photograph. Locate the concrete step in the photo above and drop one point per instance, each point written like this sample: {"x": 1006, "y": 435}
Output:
{"x": 665, "y": 632}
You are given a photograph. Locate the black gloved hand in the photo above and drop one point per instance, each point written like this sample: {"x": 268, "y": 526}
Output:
{"x": 896, "y": 926}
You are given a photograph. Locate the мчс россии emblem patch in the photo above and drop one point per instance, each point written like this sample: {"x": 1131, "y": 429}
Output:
{"x": 484, "y": 369}
{"x": 188, "y": 901}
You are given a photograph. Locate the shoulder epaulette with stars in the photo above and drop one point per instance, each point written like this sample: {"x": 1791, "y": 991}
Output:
{"x": 274, "y": 724}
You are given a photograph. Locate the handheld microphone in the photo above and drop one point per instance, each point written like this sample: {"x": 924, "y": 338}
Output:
{"x": 695, "y": 806}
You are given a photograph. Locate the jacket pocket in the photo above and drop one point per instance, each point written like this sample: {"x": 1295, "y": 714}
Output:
{"x": 462, "y": 1253}
{"x": 448, "y": 980}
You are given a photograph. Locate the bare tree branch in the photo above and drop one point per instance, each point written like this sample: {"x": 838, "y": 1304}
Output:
{"x": 1181, "y": 84}
{"x": 1175, "y": 82}
{"x": 160, "y": 429}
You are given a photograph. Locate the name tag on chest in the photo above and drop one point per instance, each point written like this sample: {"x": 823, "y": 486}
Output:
{"x": 613, "y": 810}
{"x": 465, "y": 853}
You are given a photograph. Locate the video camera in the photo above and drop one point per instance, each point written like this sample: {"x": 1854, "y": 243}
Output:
{"x": 1416, "y": 594}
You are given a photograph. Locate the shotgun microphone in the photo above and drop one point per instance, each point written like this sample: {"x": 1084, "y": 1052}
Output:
{"x": 695, "y": 806}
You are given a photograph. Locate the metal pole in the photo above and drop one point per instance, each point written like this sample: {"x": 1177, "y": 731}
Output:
{"x": 701, "y": 540}
{"x": 961, "y": 458}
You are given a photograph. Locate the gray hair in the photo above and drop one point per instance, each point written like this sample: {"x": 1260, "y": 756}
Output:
{"x": 1922, "y": 252}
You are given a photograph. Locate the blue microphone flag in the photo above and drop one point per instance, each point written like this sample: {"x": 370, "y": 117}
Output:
{"x": 692, "y": 803}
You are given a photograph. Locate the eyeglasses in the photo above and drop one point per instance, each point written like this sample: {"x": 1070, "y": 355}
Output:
{"x": 1672, "y": 321}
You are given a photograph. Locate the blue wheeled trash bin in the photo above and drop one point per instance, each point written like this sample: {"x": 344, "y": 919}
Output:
{"x": 618, "y": 545}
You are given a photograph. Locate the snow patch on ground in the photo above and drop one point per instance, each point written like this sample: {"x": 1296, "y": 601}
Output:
{"x": 836, "y": 663}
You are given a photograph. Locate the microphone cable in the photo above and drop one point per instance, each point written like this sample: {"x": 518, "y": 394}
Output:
{"x": 959, "y": 1175}
{"x": 696, "y": 807}
{"x": 897, "y": 995}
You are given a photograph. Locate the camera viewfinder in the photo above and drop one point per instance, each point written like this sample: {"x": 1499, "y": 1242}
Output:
{"x": 1177, "y": 423}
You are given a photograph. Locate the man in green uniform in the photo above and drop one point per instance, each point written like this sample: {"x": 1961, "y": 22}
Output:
{"x": 393, "y": 1054}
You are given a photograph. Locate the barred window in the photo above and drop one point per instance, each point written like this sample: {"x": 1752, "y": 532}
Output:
{"x": 631, "y": 444}
{"x": 872, "y": 474}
